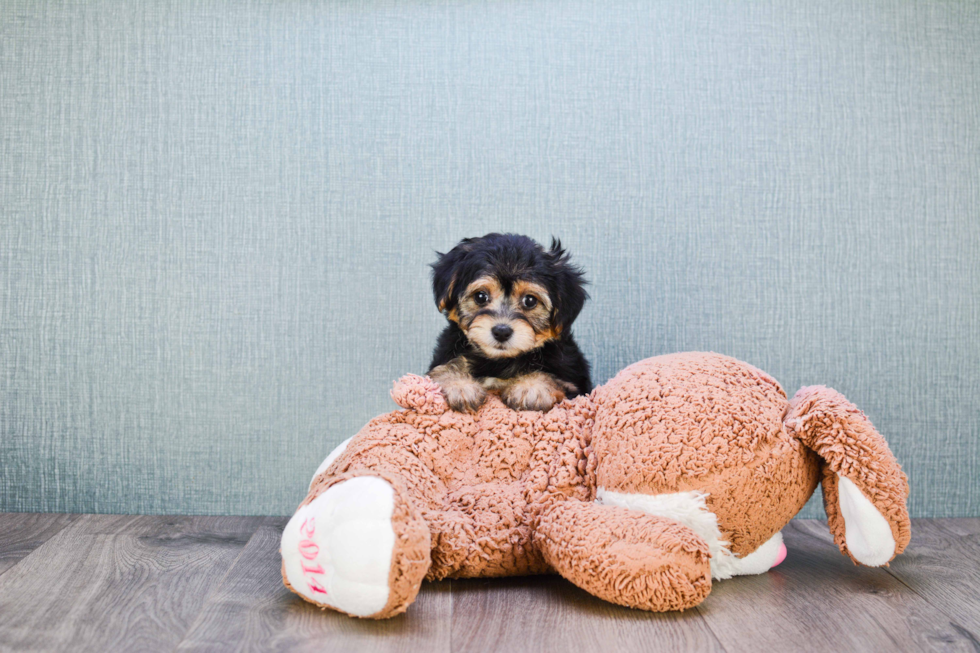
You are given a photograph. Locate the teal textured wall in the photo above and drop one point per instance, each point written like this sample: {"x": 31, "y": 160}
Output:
{"x": 216, "y": 217}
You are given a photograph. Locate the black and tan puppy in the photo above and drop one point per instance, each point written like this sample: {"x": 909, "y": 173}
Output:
{"x": 510, "y": 305}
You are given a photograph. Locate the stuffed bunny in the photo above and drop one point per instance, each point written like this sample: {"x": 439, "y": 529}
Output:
{"x": 679, "y": 471}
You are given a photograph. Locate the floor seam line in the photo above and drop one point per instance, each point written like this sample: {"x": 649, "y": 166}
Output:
{"x": 224, "y": 577}
{"x": 707, "y": 625}
{"x": 77, "y": 517}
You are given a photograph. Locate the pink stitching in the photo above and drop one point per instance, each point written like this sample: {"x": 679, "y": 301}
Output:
{"x": 311, "y": 570}
{"x": 315, "y": 586}
{"x": 309, "y": 550}
{"x": 307, "y": 526}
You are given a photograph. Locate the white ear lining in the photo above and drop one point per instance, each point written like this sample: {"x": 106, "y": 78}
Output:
{"x": 866, "y": 531}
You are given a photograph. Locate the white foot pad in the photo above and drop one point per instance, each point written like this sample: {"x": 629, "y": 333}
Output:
{"x": 771, "y": 553}
{"x": 866, "y": 531}
{"x": 337, "y": 549}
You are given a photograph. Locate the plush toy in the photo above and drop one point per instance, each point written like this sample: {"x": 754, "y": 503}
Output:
{"x": 681, "y": 470}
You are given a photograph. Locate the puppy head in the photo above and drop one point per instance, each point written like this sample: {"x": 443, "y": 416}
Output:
{"x": 508, "y": 294}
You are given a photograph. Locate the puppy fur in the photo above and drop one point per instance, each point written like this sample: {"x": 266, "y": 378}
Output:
{"x": 510, "y": 304}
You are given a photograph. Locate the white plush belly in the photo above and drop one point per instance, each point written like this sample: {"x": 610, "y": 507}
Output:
{"x": 691, "y": 509}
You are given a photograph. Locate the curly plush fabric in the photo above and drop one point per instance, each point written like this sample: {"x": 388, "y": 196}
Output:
{"x": 851, "y": 448}
{"x": 626, "y": 557}
{"x": 681, "y": 469}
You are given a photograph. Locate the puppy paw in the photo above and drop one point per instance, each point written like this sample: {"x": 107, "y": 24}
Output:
{"x": 463, "y": 393}
{"x": 536, "y": 391}
{"x": 464, "y": 396}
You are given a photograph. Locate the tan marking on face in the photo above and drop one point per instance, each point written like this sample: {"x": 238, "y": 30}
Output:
{"x": 539, "y": 292}
{"x": 540, "y": 315}
{"x": 544, "y": 336}
{"x": 489, "y": 285}
{"x": 530, "y": 332}
{"x": 468, "y": 306}
{"x": 522, "y": 340}
{"x": 462, "y": 313}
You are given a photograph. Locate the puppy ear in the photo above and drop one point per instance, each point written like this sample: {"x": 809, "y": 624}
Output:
{"x": 445, "y": 275}
{"x": 569, "y": 292}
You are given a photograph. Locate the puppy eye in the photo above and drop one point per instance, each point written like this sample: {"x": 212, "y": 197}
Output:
{"x": 529, "y": 301}
{"x": 481, "y": 297}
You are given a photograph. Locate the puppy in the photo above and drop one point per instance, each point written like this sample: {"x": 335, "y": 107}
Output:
{"x": 510, "y": 305}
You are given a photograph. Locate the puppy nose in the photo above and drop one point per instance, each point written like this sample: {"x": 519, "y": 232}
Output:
{"x": 501, "y": 332}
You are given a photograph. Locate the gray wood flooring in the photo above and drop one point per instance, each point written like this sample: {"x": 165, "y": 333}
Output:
{"x": 138, "y": 583}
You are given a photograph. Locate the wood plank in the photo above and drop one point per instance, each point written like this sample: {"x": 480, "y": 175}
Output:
{"x": 547, "y": 613}
{"x": 109, "y": 582}
{"x": 818, "y": 600}
{"x": 942, "y": 565}
{"x": 22, "y": 532}
{"x": 252, "y": 611}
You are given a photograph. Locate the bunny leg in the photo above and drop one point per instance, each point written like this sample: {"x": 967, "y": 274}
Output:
{"x": 864, "y": 489}
{"x": 624, "y": 556}
{"x": 357, "y": 545}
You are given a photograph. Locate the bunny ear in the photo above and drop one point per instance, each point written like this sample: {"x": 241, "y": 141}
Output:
{"x": 865, "y": 490}
{"x": 419, "y": 393}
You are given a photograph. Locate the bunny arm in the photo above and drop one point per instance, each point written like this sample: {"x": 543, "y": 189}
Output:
{"x": 625, "y": 556}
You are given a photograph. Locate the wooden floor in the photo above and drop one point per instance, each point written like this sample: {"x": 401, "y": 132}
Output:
{"x": 128, "y": 583}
